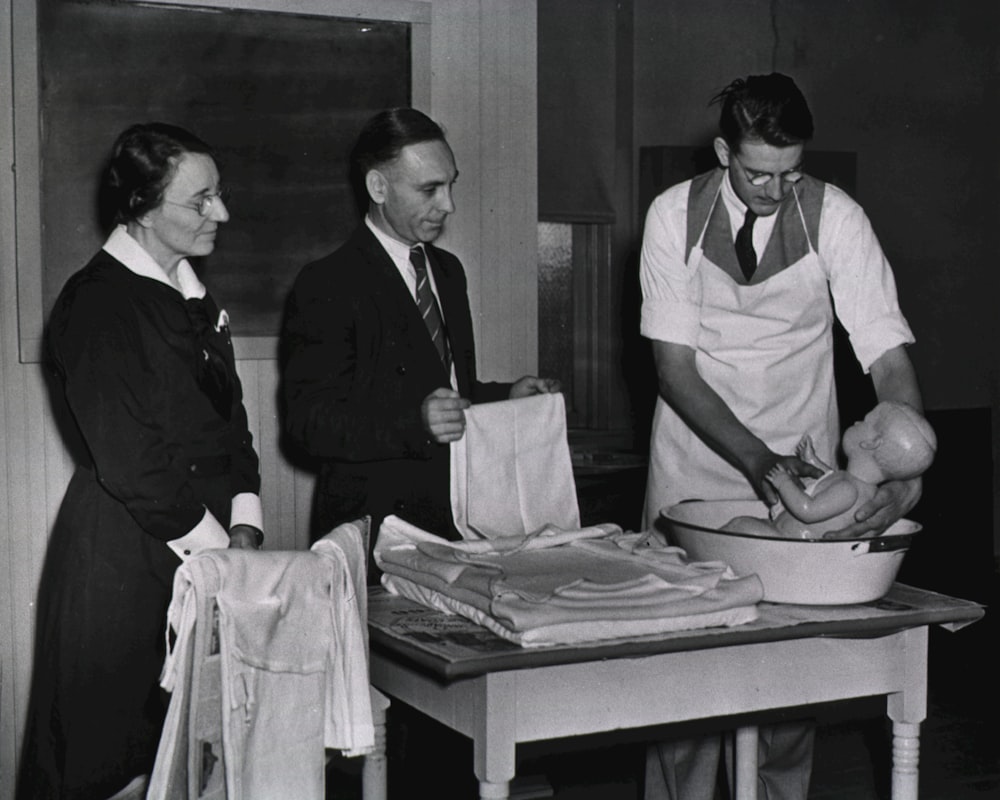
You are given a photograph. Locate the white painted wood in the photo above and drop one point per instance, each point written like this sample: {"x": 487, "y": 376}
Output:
{"x": 746, "y": 763}
{"x": 397, "y": 10}
{"x": 501, "y": 709}
{"x": 375, "y": 772}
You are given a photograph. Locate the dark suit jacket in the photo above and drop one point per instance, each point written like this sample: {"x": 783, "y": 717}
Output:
{"x": 357, "y": 364}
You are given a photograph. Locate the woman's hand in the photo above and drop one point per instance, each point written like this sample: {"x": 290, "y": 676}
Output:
{"x": 246, "y": 537}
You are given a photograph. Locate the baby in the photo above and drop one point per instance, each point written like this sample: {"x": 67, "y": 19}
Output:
{"x": 892, "y": 442}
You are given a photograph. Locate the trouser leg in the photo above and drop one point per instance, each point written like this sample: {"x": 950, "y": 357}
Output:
{"x": 784, "y": 760}
{"x": 682, "y": 769}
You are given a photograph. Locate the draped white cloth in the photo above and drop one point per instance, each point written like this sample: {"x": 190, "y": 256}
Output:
{"x": 291, "y": 677}
{"x": 511, "y": 472}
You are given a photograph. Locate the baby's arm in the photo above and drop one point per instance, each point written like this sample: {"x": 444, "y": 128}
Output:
{"x": 835, "y": 495}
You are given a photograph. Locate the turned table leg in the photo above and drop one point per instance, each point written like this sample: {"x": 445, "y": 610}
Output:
{"x": 905, "y": 760}
{"x": 907, "y": 709}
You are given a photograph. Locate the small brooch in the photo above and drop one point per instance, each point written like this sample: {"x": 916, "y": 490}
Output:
{"x": 223, "y": 323}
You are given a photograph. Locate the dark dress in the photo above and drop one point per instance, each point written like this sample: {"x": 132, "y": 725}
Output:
{"x": 153, "y": 391}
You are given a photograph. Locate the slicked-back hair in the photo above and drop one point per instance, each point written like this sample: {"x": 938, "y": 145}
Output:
{"x": 142, "y": 164}
{"x": 767, "y": 108}
{"x": 382, "y": 139}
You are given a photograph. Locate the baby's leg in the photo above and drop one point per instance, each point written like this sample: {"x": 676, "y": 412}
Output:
{"x": 807, "y": 452}
{"x": 751, "y": 526}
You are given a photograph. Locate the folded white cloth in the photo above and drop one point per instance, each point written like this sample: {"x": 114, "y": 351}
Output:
{"x": 526, "y": 569}
{"x": 511, "y": 472}
{"x": 558, "y": 587}
{"x": 579, "y": 632}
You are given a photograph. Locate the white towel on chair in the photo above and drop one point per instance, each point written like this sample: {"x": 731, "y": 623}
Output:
{"x": 511, "y": 473}
{"x": 291, "y": 660}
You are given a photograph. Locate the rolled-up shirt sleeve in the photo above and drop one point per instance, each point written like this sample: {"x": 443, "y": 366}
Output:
{"x": 861, "y": 280}
{"x": 671, "y": 292}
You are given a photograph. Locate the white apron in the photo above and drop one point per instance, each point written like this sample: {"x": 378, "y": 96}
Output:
{"x": 767, "y": 349}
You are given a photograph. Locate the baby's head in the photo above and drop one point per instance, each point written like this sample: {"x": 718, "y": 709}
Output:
{"x": 896, "y": 437}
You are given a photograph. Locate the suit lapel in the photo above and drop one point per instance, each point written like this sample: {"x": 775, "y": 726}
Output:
{"x": 450, "y": 283}
{"x": 394, "y": 295}
{"x": 443, "y": 283}
{"x": 392, "y": 289}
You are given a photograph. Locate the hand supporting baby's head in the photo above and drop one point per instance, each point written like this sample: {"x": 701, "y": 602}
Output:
{"x": 898, "y": 439}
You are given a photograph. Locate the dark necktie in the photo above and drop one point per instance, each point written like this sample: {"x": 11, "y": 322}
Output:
{"x": 744, "y": 246}
{"x": 427, "y": 304}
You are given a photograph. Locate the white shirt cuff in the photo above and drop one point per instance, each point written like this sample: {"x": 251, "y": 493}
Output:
{"x": 206, "y": 535}
{"x": 247, "y": 510}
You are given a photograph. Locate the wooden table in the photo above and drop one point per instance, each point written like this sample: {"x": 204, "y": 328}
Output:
{"x": 500, "y": 694}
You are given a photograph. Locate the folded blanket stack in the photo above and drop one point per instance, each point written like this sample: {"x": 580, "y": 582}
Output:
{"x": 558, "y": 586}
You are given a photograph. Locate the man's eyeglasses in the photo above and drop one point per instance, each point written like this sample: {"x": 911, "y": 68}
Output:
{"x": 204, "y": 204}
{"x": 763, "y": 178}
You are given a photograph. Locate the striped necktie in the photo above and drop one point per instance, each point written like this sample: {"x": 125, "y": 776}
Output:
{"x": 428, "y": 307}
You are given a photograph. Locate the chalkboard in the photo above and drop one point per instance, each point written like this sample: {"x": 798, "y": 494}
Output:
{"x": 280, "y": 97}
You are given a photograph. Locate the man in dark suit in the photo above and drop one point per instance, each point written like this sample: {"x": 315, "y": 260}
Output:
{"x": 377, "y": 373}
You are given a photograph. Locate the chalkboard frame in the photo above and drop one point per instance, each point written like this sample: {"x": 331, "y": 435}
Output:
{"x": 29, "y": 142}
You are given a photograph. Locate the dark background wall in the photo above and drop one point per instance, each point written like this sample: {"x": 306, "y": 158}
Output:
{"x": 910, "y": 88}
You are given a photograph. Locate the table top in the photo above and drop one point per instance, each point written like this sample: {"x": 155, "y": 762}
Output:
{"x": 449, "y": 647}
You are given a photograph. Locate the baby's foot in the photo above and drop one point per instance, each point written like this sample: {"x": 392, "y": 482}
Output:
{"x": 805, "y": 450}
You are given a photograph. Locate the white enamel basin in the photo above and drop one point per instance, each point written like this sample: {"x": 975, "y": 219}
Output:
{"x": 806, "y": 571}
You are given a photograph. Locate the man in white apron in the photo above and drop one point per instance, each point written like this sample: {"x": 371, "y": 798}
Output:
{"x": 742, "y": 343}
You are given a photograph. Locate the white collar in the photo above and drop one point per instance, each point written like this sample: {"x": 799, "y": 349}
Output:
{"x": 737, "y": 210}
{"x": 395, "y": 248}
{"x": 122, "y": 247}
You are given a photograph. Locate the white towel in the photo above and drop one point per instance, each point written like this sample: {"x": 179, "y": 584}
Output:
{"x": 563, "y": 587}
{"x": 511, "y": 473}
{"x": 348, "y": 544}
{"x": 583, "y": 631}
{"x": 292, "y": 663}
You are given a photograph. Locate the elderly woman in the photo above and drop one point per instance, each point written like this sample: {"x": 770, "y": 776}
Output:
{"x": 145, "y": 360}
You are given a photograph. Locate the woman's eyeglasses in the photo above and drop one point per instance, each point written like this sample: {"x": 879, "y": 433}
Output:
{"x": 204, "y": 204}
